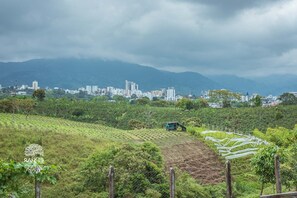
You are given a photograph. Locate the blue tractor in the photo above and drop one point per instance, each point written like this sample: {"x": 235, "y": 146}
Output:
{"x": 173, "y": 126}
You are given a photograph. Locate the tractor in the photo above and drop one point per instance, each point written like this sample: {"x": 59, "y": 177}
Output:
{"x": 173, "y": 126}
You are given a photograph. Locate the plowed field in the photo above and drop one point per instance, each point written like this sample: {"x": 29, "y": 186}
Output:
{"x": 197, "y": 159}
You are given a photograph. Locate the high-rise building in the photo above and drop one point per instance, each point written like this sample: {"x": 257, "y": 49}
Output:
{"x": 89, "y": 89}
{"x": 94, "y": 88}
{"x": 170, "y": 94}
{"x": 35, "y": 85}
{"x": 131, "y": 88}
{"x": 0, "y": 87}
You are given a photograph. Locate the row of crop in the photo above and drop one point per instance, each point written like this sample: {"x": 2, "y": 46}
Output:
{"x": 40, "y": 123}
{"x": 119, "y": 114}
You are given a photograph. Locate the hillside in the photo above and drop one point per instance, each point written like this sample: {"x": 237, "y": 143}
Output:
{"x": 119, "y": 114}
{"x": 243, "y": 85}
{"x": 70, "y": 144}
{"x": 75, "y": 73}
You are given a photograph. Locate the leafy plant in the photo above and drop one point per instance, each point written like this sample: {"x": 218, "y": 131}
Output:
{"x": 138, "y": 170}
{"x": 263, "y": 164}
{"x": 12, "y": 175}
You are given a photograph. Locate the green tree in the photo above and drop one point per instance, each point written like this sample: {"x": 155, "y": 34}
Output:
{"x": 143, "y": 101}
{"x": 257, "y": 101}
{"x": 119, "y": 98}
{"x": 200, "y": 103}
{"x": 139, "y": 171}
{"x": 14, "y": 174}
{"x": 263, "y": 164}
{"x": 224, "y": 96}
{"x": 185, "y": 104}
{"x": 288, "y": 99}
{"x": 39, "y": 94}
{"x": 289, "y": 169}
{"x": 26, "y": 106}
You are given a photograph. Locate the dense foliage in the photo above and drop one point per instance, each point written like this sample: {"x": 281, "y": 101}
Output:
{"x": 288, "y": 99}
{"x": 146, "y": 165}
{"x": 118, "y": 114}
{"x": 139, "y": 171}
{"x": 15, "y": 175}
{"x": 283, "y": 142}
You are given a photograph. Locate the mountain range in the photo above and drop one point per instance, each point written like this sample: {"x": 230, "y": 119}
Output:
{"x": 75, "y": 73}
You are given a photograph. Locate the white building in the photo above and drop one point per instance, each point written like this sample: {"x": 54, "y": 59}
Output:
{"x": 82, "y": 89}
{"x": 94, "y": 89}
{"x": 148, "y": 94}
{"x": 69, "y": 91}
{"x": 0, "y": 87}
{"x": 21, "y": 93}
{"x": 35, "y": 85}
{"x": 89, "y": 89}
{"x": 245, "y": 98}
{"x": 170, "y": 94}
{"x": 131, "y": 88}
{"x": 157, "y": 93}
{"x": 23, "y": 87}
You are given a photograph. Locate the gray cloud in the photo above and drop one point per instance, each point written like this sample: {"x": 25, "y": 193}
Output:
{"x": 212, "y": 37}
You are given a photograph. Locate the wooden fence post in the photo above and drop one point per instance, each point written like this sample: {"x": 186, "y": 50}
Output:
{"x": 172, "y": 182}
{"x": 111, "y": 182}
{"x": 37, "y": 188}
{"x": 228, "y": 179}
{"x": 277, "y": 174}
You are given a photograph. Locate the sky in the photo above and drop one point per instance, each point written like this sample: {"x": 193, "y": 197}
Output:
{"x": 240, "y": 37}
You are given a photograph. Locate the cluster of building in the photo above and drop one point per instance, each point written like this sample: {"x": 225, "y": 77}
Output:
{"x": 131, "y": 91}
{"x": 24, "y": 89}
{"x": 267, "y": 101}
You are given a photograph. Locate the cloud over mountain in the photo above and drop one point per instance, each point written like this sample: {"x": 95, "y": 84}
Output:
{"x": 247, "y": 38}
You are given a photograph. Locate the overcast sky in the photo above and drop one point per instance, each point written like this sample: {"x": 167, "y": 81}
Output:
{"x": 242, "y": 37}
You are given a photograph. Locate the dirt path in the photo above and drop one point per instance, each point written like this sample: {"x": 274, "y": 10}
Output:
{"x": 197, "y": 159}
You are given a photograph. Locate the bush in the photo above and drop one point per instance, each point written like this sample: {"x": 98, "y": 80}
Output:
{"x": 78, "y": 112}
{"x": 136, "y": 124}
{"x": 138, "y": 171}
{"x": 193, "y": 121}
{"x": 187, "y": 187}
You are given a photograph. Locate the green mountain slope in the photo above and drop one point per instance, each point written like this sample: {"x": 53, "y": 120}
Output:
{"x": 75, "y": 73}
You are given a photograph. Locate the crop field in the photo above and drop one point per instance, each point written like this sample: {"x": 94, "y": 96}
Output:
{"x": 40, "y": 123}
{"x": 197, "y": 159}
{"x": 178, "y": 148}
{"x": 233, "y": 145}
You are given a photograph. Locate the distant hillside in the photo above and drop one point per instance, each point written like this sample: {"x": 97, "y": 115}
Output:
{"x": 242, "y": 85}
{"x": 75, "y": 73}
{"x": 280, "y": 83}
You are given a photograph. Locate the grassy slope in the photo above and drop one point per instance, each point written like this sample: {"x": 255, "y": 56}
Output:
{"x": 245, "y": 182}
{"x": 68, "y": 144}
{"x": 119, "y": 114}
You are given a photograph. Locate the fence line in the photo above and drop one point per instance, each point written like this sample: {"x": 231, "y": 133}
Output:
{"x": 37, "y": 188}
{"x": 172, "y": 182}
{"x": 111, "y": 182}
{"x": 228, "y": 179}
{"x": 277, "y": 174}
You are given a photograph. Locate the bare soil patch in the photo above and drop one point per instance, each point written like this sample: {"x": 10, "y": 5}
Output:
{"x": 197, "y": 159}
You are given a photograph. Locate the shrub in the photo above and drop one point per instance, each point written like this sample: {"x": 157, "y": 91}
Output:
{"x": 136, "y": 124}
{"x": 193, "y": 121}
{"x": 138, "y": 171}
